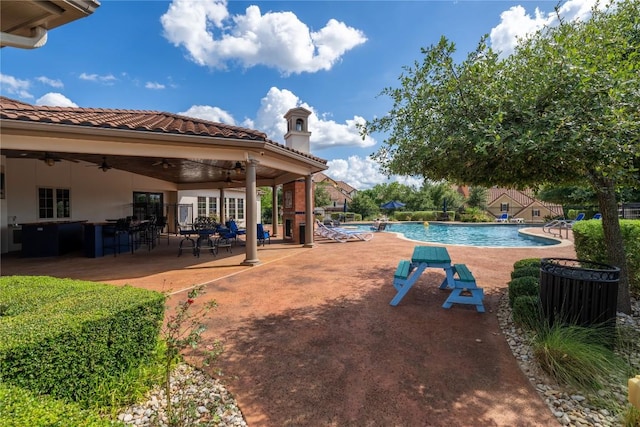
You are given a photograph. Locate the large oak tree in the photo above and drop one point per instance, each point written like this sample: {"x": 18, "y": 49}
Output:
{"x": 564, "y": 108}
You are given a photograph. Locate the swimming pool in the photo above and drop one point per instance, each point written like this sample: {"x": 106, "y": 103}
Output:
{"x": 490, "y": 235}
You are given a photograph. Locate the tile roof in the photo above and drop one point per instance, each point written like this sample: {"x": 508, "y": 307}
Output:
{"x": 522, "y": 197}
{"x": 338, "y": 191}
{"x": 136, "y": 120}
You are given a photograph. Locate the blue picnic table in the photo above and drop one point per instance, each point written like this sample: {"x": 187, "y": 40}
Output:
{"x": 458, "y": 278}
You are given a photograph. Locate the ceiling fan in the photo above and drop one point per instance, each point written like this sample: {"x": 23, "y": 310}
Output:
{"x": 104, "y": 165}
{"x": 239, "y": 167}
{"x": 165, "y": 164}
{"x": 228, "y": 179}
{"x": 50, "y": 159}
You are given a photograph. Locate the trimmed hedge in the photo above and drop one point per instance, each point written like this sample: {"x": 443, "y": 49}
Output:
{"x": 527, "y": 311}
{"x": 526, "y": 271}
{"x": 527, "y": 262}
{"x": 523, "y": 286}
{"x": 62, "y": 336}
{"x": 423, "y": 215}
{"x": 589, "y": 243}
{"x": 19, "y": 408}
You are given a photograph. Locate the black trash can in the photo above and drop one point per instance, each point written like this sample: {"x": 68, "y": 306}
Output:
{"x": 302, "y": 233}
{"x": 578, "y": 292}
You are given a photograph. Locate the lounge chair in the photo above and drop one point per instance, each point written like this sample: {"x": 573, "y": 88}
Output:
{"x": 341, "y": 235}
{"x": 503, "y": 218}
{"x": 378, "y": 226}
{"x": 569, "y": 223}
{"x": 263, "y": 235}
{"x": 597, "y": 216}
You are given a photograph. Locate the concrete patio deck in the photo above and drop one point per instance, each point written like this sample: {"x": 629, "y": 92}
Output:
{"x": 311, "y": 340}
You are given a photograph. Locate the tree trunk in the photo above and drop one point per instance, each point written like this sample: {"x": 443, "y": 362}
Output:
{"x": 613, "y": 239}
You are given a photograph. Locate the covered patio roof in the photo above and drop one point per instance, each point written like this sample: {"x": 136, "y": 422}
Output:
{"x": 192, "y": 153}
{"x": 25, "y": 23}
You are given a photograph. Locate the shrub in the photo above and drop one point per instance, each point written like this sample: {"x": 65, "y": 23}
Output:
{"x": 474, "y": 214}
{"x": 64, "y": 337}
{"x": 527, "y": 262}
{"x": 402, "y": 216}
{"x": 526, "y": 271}
{"x": 578, "y": 356}
{"x": 589, "y": 244}
{"x": 420, "y": 216}
{"x": 19, "y": 407}
{"x": 523, "y": 286}
{"x": 527, "y": 311}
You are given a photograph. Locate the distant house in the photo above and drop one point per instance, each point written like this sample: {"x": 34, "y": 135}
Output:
{"x": 520, "y": 204}
{"x": 339, "y": 192}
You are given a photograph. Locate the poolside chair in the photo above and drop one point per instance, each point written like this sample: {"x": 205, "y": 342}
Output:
{"x": 597, "y": 216}
{"x": 503, "y": 218}
{"x": 378, "y": 226}
{"x": 569, "y": 223}
{"x": 263, "y": 235}
{"x": 341, "y": 235}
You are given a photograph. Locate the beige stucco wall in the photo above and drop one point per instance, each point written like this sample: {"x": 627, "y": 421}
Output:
{"x": 95, "y": 195}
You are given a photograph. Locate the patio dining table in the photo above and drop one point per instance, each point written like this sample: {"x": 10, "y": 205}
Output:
{"x": 423, "y": 257}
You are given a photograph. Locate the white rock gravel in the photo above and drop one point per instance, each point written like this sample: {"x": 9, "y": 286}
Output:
{"x": 199, "y": 400}
{"x": 572, "y": 407}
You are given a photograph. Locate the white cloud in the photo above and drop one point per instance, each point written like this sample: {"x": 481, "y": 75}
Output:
{"x": 363, "y": 173}
{"x": 213, "y": 114}
{"x": 107, "y": 79}
{"x": 51, "y": 82}
{"x": 154, "y": 85}
{"x": 14, "y": 86}
{"x": 279, "y": 40}
{"x": 516, "y": 23}
{"x": 270, "y": 120}
{"x": 324, "y": 133}
{"x": 54, "y": 99}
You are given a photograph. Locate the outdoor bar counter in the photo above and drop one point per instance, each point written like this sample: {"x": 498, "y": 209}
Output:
{"x": 42, "y": 239}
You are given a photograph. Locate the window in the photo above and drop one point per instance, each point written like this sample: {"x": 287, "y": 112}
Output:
{"x": 54, "y": 203}
{"x": 213, "y": 206}
{"x": 535, "y": 213}
{"x": 240, "y": 209}
{"x": 504, "y": 207}
{"x": 299, "y": 125}
{"x": 147, "y": 205}
{"x": 232, "y": 207}
{"x": 202, "y": 206}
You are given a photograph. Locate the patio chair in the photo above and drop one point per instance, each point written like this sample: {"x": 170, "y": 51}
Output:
{"x": 503, "y": 218}
{"x": 341, "y": 235}
{"x": 597, "y": 216}
{"x": 569, "y": 223}
{"x": 263, "y": 235}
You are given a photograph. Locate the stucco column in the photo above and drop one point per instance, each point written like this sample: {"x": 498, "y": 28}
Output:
{"x": 308, "y": 232}
{"x": 252, "y": 222}
{"x": 274, "y": 215}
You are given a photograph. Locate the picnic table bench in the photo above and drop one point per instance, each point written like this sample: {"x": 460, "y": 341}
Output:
{"x": 458, "y": 278}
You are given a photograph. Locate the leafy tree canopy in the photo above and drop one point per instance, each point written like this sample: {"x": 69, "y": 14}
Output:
{"x": 321, "y": 195}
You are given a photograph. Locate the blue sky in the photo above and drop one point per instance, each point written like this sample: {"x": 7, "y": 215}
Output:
{"x": 247, "y": 63}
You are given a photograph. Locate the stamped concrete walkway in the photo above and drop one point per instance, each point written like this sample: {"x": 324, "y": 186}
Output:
{"x": 311, "y": 340}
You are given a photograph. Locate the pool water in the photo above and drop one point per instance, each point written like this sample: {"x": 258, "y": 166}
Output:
{"x": 489, "y": 235}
